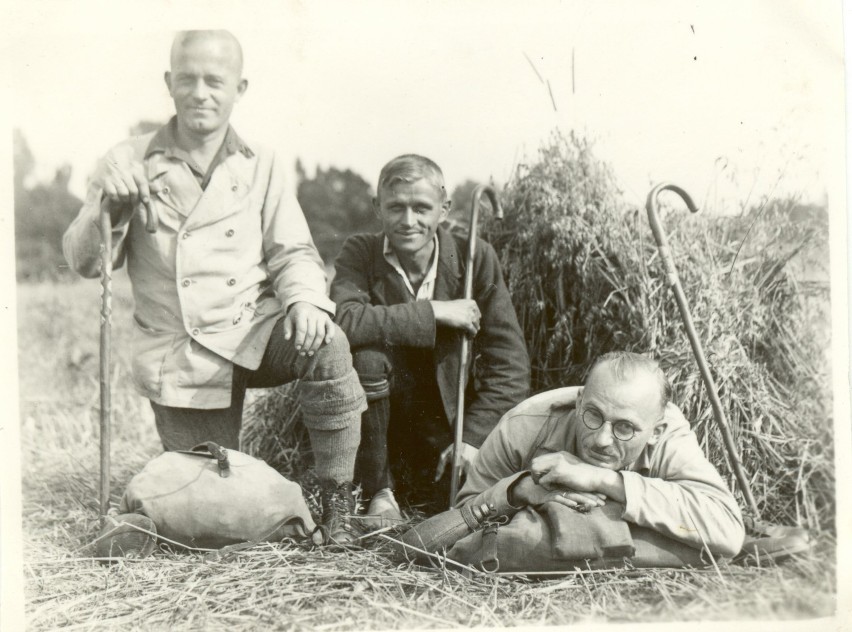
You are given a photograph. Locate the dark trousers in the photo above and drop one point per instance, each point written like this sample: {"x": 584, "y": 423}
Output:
{"x": 331, "y": 397}
{"x": 405, "y": 428}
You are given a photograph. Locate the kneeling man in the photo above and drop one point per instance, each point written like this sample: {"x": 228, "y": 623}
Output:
{"x": 615, "y": 448}
{"x": 399, "y": 296}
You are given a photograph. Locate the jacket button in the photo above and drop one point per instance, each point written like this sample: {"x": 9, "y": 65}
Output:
{"x": 196, "y": 331}
{"x": 232, "y": 281}
{"x": 185, "y": 236}
{"x": 186, "y": 282}
{"x": 230, "y": 233}
{"x": 165, "y": 190}
{"x": 234, "y": 188}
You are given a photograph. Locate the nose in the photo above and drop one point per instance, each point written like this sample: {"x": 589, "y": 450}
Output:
{"x": 603, "y": 436}
{"x": 199, "y": 90}
{"x": 408, "y": 218}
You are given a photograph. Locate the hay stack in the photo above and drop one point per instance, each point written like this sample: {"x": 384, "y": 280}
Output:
{"x": 585, "y": 278}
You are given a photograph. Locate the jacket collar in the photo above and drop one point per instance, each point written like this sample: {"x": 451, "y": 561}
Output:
{"x": 448, "y": 280}
{"x": 165, "y": 141}
{"x": 449, "y": 254}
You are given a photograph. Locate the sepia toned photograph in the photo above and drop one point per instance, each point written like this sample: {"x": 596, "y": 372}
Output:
{"x": 430, "y": 315}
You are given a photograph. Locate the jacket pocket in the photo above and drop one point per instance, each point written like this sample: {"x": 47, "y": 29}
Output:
{"x": 149, "y": 348}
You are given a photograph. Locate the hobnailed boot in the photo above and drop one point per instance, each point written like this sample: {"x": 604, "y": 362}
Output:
{"x": 338, "y": 511}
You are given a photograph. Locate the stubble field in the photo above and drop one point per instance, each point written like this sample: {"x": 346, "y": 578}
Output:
{"x": 290, "y": 586}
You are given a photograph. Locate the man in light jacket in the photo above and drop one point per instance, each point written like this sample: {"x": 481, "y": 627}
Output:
{"x": 230, "y": 291}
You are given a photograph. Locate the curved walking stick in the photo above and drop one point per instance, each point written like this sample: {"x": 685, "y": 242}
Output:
{"x": 465, "y": 339}
{"x": 151, "y": 224}
{"x": 673, "y": 281}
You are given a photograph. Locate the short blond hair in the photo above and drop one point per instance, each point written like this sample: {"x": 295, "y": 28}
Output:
{"x": 185, "y": 38}
{"x": 410, "y": 168}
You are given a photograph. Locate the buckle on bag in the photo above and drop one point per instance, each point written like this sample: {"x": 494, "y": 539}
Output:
{"x": 214, "y": 451}
{"x": 490, "y": 563}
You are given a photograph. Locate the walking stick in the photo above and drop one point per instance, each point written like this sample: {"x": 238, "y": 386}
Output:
{"x": 674, "y": 282}
{"x": 106, "y": 314}
{"x": 465, "y": 339}
{"x": 106, "y": 322}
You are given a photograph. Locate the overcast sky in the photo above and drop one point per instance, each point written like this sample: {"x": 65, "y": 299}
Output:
{"x": 719, "y": 97}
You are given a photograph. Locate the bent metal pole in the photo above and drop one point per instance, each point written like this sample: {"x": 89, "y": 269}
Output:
{"x": 151, "y": 224}
{"x": 465, "y": 339}
{"x": 673, "y": 281}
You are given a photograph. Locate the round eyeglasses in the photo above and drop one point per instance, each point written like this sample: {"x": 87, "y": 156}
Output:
{"x": 622, "y": 430}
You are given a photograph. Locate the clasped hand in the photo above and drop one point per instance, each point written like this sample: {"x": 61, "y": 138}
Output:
{"x": 462, "y": 313}
{"x": 124, "y": 187}
{"x": 468, "y": 454}
{"x": 308, "y": 326}
{"x": 566, "y": 471}
{"x": 559, "y": 477}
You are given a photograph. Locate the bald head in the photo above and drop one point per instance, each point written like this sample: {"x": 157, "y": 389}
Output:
{"x": 205, "y": 81}
{"x": 224, "y": 42}
{"x": 625, "y": 366}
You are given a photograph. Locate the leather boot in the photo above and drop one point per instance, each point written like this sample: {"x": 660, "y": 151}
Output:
{"x": 338, "y": 510}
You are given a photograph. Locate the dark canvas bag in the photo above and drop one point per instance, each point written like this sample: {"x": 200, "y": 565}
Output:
{"x": 554, "y": 537}
{"x": 209, "y": 498}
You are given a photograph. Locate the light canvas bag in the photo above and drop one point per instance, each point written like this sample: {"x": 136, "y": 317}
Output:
{"x": 210, "y": 497}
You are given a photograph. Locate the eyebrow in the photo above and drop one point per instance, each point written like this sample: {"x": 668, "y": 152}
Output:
{"x": 206, "y": 75}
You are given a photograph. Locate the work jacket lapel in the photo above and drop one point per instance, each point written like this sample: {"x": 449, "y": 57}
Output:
{"x": 228, "y": 192}
{"x": 449, "y": 285}
{"x": 177, "y": 190}
{"x": 388, "y": 285}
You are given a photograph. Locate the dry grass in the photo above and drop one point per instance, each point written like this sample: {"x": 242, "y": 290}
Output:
{"x": 293, "y": 587}
{"x": 288, "y": 586}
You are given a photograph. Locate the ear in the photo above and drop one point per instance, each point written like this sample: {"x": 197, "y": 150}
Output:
{"x": 445, "y": 209}
{"x": 242, "y": 86}
{"x": 659, "y": 429}
{"x": 167, "y": 77}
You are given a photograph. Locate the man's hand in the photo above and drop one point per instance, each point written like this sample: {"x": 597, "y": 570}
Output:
{"x": 124, "y": 186}
{"x": 468, "y": 454}
{"x": 561, "y": 470}
{"x": 526, "y": 492}
{"x": 308, "y": 326}
{"x": 462, "y": 313}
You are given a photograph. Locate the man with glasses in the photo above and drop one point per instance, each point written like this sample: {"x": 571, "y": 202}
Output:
{"x": 618, "y": 439}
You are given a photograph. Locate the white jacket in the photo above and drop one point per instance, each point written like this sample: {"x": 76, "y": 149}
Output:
{"x": 210, "y": 284}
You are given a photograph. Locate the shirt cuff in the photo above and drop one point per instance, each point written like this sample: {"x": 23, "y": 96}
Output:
{"x": 633, "y": 489}
{"x": 497, "y": 497}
